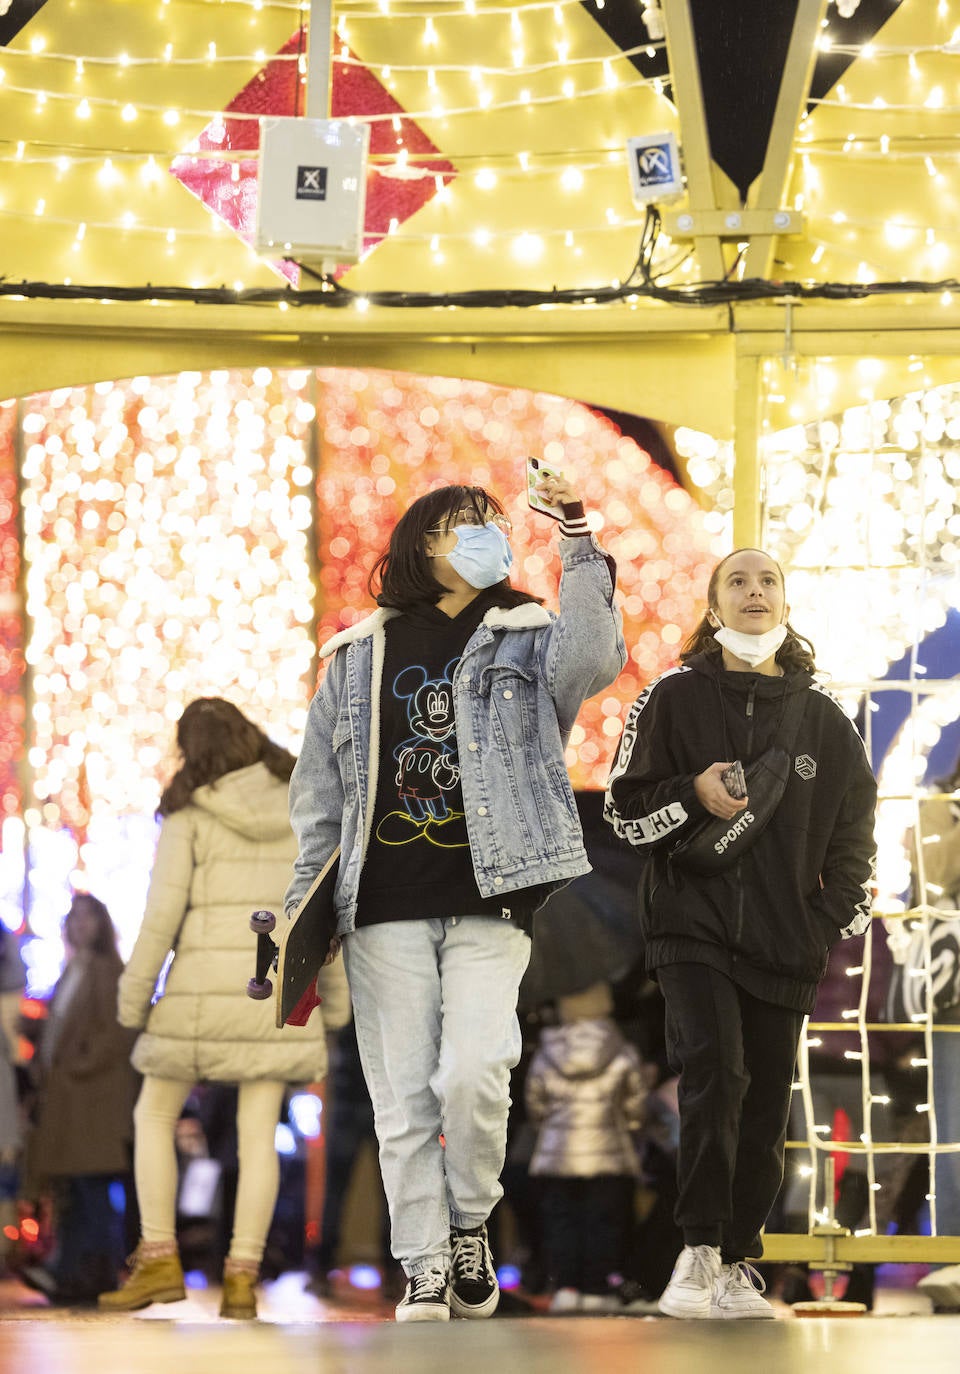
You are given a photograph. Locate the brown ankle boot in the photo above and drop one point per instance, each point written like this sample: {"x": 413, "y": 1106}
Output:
{"x": 239, "y": 1299}
{"x": 153, "y": 1278}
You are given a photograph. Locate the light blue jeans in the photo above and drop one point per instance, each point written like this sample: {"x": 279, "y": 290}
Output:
{"x": 435, "y": 1005}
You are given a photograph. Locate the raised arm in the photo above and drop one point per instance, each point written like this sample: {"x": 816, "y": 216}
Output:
{"x": 583, "y": 651}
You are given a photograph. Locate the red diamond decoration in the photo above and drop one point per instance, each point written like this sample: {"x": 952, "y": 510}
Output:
{"x": 229, "y": 187}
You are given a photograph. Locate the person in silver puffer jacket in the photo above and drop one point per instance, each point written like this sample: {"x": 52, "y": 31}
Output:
{"x": 585, "y": 1089}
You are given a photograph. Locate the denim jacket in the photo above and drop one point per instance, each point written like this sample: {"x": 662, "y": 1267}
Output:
{"x": 517, "y": 689}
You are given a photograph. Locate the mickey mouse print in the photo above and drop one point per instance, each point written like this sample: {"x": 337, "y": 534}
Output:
{"x": 427, "y": 777}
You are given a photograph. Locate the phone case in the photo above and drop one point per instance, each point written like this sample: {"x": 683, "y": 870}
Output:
{"x": 734, "y": 781}
{"x": 536, "y": 470}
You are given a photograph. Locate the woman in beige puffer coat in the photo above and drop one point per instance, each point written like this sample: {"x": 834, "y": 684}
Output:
{"x": 225, "y": 849}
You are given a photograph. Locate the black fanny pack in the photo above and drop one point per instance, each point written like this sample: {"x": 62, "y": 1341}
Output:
{"x": 714, "y": 843}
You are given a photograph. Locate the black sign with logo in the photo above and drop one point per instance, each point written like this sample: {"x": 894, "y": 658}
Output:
{"x": 311, "y": 183}
{"x": 655, "y": 165}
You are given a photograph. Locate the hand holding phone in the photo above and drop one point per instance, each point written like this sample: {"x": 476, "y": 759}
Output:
{"x": 734, "y": 780}
{"x": 536, "y": 471}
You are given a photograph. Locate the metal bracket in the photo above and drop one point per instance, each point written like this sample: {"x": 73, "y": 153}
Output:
{"x": 732, "y": 224}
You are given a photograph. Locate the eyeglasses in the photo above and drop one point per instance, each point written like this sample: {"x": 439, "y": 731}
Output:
{"x": 468, "y": 516}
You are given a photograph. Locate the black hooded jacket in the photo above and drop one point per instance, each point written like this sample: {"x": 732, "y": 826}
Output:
{"x": 768, "y": 921}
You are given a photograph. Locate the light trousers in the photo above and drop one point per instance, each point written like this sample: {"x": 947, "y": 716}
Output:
{"x": 155, "y": 1161}
{"x": 435, "y": 1006}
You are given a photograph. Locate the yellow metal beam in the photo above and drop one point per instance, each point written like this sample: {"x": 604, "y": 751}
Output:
{"x": 770, "y": 187}
{"x": 672, "y": 375}
{"x": 675, "y": 365}
{"x": 746, "y": 439}
{"x": 694, "y": 136}
{"x": 782, "y": 1247}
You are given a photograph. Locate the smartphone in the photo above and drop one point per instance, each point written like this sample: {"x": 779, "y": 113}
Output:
{"x": 734, "y": 781}
{"x": 535, "y": 470}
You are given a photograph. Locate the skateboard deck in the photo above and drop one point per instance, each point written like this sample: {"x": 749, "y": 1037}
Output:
{"x": 304, "y": 946}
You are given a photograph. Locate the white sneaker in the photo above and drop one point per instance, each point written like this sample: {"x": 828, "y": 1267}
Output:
{"x": 942, "y": 1286}
{"x": 427, "y": 1298}
{"x": 564, "y": 1301}
{"x": 690, "y": 1290}
{"x": 737, "y": 1292}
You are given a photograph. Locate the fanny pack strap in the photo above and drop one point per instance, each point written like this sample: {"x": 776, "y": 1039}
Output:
{"x": 789, "y": 726}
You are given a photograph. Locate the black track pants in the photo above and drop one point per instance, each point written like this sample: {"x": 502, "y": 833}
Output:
{"x": 735, "y": 1058}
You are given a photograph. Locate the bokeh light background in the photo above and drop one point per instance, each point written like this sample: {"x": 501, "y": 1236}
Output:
{"x": 200, "y": 534}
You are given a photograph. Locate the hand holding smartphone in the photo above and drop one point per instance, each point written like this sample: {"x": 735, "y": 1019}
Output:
{"x": 536, "y": 471}
{"x": 734, "y": 780}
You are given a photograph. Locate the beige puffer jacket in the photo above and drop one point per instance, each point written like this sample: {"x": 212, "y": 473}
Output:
{"x": 227, "y": 854}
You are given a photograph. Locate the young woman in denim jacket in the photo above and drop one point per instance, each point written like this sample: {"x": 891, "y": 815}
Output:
{"x": 434, "y": 756}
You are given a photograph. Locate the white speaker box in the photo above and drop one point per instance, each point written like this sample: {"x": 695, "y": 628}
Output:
{"x": 312, "y": 189}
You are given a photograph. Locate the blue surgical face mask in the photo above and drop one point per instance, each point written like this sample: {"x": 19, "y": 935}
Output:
{"x": 482, "y": 554}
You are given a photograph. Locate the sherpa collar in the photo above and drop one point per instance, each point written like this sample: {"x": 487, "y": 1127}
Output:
{"x": 528, "y": 616}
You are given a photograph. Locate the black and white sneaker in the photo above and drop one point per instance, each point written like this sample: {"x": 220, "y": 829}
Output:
{"x": 427, "y": 1298}
{"x": 474, "y": 1291}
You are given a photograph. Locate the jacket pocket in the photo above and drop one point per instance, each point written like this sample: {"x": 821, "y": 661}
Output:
{"x": 501, "y": 677}
{"x": 559, "y": 780}
{"x": 510, "y": 694}
{"x": 342, "y": 742}
{"x": 824, "y": 921}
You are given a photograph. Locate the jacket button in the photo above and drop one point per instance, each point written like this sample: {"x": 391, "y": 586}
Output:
{"x": 508, "y": 694}
{"x": 473, "y": 746}
{"x": 481, "y": 810}
{"x": 498, "y": 882}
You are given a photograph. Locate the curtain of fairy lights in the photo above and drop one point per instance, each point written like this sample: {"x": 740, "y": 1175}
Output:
{"x": 12, "y": 706}
{"x": 167, "y": 526}
{"x": 193, "y": 535}
{"x": 863, "y": 508}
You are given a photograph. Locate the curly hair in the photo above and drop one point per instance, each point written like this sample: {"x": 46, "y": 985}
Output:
{"x": 214, "y": 738}
{"x": 796, "y": 653}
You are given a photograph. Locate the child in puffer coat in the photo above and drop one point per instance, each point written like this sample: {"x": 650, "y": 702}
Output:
{"x": 586, "y": 1090}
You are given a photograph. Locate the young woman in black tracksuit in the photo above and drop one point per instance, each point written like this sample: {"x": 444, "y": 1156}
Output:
{"x": 738, "y": 955}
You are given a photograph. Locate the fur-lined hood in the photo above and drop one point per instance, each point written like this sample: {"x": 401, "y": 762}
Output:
{"x": 528, "y": 616}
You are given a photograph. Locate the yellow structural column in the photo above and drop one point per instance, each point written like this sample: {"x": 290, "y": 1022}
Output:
{"x": 748, "y": 380}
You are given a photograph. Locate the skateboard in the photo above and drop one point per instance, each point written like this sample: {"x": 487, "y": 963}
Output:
{"x": 299, "y": 955}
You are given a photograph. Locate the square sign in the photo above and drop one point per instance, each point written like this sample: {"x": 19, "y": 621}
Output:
{"x": 311, "y": 183}
{"x": 312, "y": 189}
{"x": 654, "y": 162}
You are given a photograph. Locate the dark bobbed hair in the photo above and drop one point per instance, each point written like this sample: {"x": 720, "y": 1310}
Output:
{"x": 105, "y": 940}
{"x": 214, "y": 738}
{"x": 403, "y": 574}
{"x": 796, "y": 653}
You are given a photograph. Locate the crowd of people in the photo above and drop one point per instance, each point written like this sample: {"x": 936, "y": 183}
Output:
{"x": 433, "y": 761}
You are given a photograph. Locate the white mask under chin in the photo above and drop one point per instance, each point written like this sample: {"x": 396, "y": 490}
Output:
{"x": 752, "y": 649}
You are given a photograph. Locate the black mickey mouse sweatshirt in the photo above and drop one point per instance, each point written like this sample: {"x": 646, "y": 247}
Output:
{"x": 418, "y": 863}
